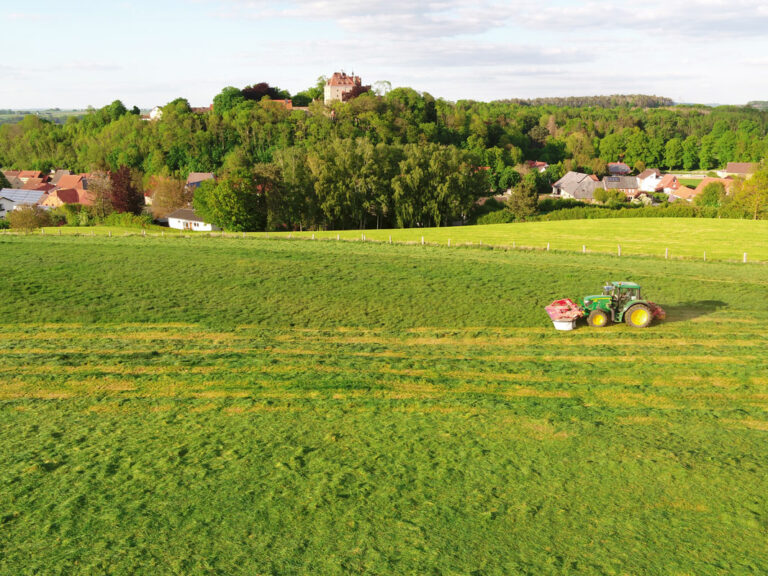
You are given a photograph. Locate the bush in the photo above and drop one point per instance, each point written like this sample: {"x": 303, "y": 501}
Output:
{"x": 28, "y": 218}
{"x": 4, "y": 224}
{"x": 551, "y": 204}
{"x": 128, "y": 220}
{"x": 502, "y": 216}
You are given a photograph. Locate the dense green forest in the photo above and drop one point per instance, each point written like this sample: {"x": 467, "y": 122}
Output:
{"x": 399, "y": 159}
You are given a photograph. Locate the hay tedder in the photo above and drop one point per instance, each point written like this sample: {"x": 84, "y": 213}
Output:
{"x": 619, "y": 302}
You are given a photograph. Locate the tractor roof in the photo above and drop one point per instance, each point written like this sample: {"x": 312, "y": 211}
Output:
{"x": 625, "y": 284}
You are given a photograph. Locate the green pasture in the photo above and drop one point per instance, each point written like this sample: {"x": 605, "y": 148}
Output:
{"x": 721, "y": 239}
{"x": 690, "y": 182}
{"x": 219, "y": 406}
{"x": 693, "y": 238}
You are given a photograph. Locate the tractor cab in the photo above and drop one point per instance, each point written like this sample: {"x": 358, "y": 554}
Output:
{"x": 621, "y": 294}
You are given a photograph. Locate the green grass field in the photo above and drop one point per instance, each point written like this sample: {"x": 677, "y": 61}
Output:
{"x": 720, "y": 239}
{"x": 228, "y": 406}
{"x": 690, "y": 182}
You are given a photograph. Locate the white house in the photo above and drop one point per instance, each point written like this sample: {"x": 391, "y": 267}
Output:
{"x": 10, "y": 198}
{"x": 648, "y": 180}
{"x": 338, "y": 85}
{"x": 186, "y": 219}
{"x": 156, "y": 113}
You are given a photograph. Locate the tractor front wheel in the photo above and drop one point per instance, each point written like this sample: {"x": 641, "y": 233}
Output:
{"x": 598, "y": 319}
{"x": 639, "y": 316}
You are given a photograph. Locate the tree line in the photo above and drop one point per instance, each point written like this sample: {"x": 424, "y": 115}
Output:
{"x": 400, "y": 158}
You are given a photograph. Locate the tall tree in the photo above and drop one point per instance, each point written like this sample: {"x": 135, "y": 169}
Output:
{"x": 124, "y": 195}
{"x": 100, "y": 192}
{"x": 168, "y": 194}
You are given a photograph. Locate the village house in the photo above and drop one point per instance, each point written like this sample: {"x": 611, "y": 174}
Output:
{"x": 186, "y": 219}
{"x": 648, "y": 180}
{"x": 10, "y": 198}
{"x": 618, "y": 169}
{"x": 738, "y": 169}
{"x": 682, "y": 193}
{"x": 668, "y": 184}
{"x": 626, "y": 184}
{"x": 56, "y": 176}
{"x": 541, "y": 167}
{"x": 338, "y": 85}
{"x": 577, "y": 185}
{"x": 726, "y": 182}
{"x": 62, "y": 196}
{"x": 25, "y": 175}
{"x": 196, "y": 178}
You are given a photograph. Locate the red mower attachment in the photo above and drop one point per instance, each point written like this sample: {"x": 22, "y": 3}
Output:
{"x": 657, "y": 311}
{"x": 564, "y": 313}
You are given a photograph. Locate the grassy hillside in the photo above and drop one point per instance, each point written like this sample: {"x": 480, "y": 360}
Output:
{"x": 224, "y": 406}
{"x": 685, "y": 237}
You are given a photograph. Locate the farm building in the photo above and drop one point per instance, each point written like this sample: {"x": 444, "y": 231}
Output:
{"x": 186, "y": 219}
{"x": 10, "y": 198}
{"x": 577, "y": 185}
{"x": 740, "y": 169}
{"x": 626, "y": 184}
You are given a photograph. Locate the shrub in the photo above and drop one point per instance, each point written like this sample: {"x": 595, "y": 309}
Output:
{"x": 4, "y": 224}
{"x": 128, "y": 220}
{"x": 502, "y": 216}
{"x": 28, "y": 218}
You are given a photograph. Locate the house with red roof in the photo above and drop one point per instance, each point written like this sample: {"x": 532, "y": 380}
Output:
{"x": 25, "y": 175}
{"x": 726, "y": 182}
{"x": 682, "y": 193}
{"x": 668, "y": 184}
{"x": 76, "y": 181}
{"x": 338, "y": 85}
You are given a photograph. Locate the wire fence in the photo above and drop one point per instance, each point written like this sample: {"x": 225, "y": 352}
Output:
{"x": 742, "y": 257}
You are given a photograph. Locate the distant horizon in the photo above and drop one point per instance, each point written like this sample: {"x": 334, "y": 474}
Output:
{"x": 130, "y": 105}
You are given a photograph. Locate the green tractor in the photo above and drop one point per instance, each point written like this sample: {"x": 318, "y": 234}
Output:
{"x": 620, "y": 302}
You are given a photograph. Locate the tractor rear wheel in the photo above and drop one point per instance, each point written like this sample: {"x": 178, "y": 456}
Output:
{"x": 598, "y": 318}
{"x": 639, "y": 316}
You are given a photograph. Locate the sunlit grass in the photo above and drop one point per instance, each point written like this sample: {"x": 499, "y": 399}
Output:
{"x": 201, "y": 406}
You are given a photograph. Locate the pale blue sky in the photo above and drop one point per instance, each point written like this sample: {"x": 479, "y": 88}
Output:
{"x": 80, "y": 53}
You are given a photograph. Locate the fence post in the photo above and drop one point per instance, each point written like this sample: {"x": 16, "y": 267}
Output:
{"x": 109, "y": 234}
{"x": 338, "y": 236}
{"x": 705, "y": 256}
{"x": 619, "y": 249}
{"x": 745, "y": 257}
{"x": 666, "y": 254}
{"x": 449, "y": 242}
{"x": 143, "y": 232}
{"x": 313, "y": 235}
{"x": 583, "y": 248}
{"x": 390, "y": 239}
{"x": 42, "y": 231}
{"x": 422, "y": 240}
{"x": 514, "y": 244}
{"x": 59, "y": 231}
{"x": 547, "y": 246}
